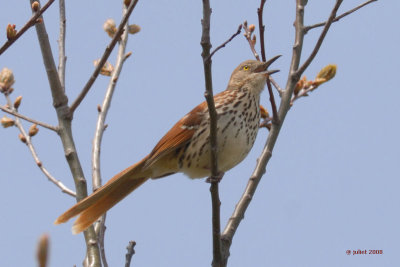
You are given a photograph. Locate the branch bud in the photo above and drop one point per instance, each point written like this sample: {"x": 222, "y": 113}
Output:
{"x": 6, "y": 80}
{"x": 300, "y": 85}
{"x": 127, "y": 2}
{"x": 35, "y": 6}
{"x": 325, "y": 74}
{"x": 11, "y": 31}
{"x": 7, "y": 122}
{"x": 253, "y": 41}
{"x": 110, "y": 27}
{"x": 17, "y": 102}
{"x": 132, "y": 29}
{"x": 33, "y": 130}
{"x": 107, "y": 68}
{"x": 22, "y": 138}
{"x": 252, "y": 27}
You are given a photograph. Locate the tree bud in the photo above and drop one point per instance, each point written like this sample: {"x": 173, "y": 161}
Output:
{"x": 17, "y": 102}
{"x": 110, "y": 27}
{"x": 11, "y": 31}
{"x": 7, "y": 122}
{"x": 35, "y": 6}
{"x": 33, "y": 130}
{"x": 22, "y": 138}
{"x": 6, "y": 79}
{"x": 132, "y": 29}
{"x": 252, "y": 27}
{"x": 107, "y": 68}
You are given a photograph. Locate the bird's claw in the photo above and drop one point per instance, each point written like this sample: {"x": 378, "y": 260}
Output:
{"x": 215, "y": 179}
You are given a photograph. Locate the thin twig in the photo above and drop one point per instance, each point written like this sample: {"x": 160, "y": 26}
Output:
{"x": 100, "y": 126}
{"x": 100, "y": 229}
{"x": 275, "y": 118}
{"x": 104, "y": 58}
{"x": 261, "y": 26}
{"x": 247, "y": 35}
{"x": 29, "y": 24}
{"x": 216, "y": 221}
{"x": 302, "y": 92}
{"x": 61, "y": 44}
{"x": 35, "y": 156}
{"x": 276, "y": 85}
{"x": 226, "y": 42}
{"x": 130, "y": 251}
{"x": 321, "y": 38}
{"x": 307, "y": 28}
{"x": 16, "y": 114}
{"x": 60, "y": 103}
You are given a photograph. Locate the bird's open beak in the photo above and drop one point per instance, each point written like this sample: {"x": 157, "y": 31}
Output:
{"x": 263, "y": 68}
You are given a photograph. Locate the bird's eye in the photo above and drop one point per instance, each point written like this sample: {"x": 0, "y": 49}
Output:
{"x": 246, "y": 67}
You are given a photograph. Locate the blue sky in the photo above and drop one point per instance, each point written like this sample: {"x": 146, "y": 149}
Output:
{"x": 331, "y": 185}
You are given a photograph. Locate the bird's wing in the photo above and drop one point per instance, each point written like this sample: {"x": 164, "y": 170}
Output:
{"x": 179, "y": 135}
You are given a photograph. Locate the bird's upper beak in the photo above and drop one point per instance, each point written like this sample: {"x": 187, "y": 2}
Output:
{"x": 264, "y": 66}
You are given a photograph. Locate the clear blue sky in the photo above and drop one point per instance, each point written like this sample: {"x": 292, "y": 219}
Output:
{"x": 332, "y": 184}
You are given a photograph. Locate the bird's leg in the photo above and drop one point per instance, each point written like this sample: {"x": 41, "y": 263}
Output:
{"x": 217, "y": 178}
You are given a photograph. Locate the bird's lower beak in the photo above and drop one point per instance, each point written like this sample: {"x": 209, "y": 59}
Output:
{"x": 263, "y": 68}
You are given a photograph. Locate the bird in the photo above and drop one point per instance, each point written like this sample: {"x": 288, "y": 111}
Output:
{"x": 186, "y": 146}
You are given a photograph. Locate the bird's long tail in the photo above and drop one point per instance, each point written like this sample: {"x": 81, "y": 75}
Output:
{"x": 95, "y": 205}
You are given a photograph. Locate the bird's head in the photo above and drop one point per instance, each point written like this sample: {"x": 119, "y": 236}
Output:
{"x": 251, "y": 73}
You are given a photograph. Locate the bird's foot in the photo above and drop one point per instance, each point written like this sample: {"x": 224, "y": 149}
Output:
{"x": 215, "y": 179}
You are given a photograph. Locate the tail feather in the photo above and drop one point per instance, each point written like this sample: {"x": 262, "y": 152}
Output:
{"x": 91, "y": 214}
{"x": 93, "y": 206}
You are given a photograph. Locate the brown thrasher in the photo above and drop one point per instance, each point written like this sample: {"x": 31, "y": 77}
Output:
{"x": 186, "y": 147}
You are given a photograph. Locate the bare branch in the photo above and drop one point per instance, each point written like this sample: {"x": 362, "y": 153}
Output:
{"x": 29, "y": 24}
{"x": 60, "y": 103}
{"x": 16, "y": 114}
{"x": 35, "y": 156}
{"x": 261, "y": 26}
{"x": 247, "y": 35}
{"x": 226, "y": 42}
{"x": 214, "y": 179}
{"x": 100, "y": 229}
{"x": 104, "y": 58}
{"x": 276, "y": 85}
{"x": 275, "y": 118}
{"x": 320, "y": 39}
{"x": 100, "y": 127}
{"x": 307, "y": 28}
{"x": 130, "y": 251}
{"x": 61, "y": 44}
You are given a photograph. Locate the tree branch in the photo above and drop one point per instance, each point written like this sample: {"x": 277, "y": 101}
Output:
{"x": 100, "y": 127}
{"x": 16, "y": 114}
{"x": 29, "y": 24}
{"x": 307, "y": 28}
{"x": 225, "y": 43}
{"x": 321, "y": 38}
{"x": 61, "y": 44}
{"x": 206, "y": 45}
{"x": 35, "y": 156}
{"x": 104, "y": 58}
{"x": 261, "y": 26}
{"x": 60, "y": 103}
{"x": 130, "y": 251}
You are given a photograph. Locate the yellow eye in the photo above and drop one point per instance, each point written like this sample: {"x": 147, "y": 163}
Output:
{"x": 246, "y": 67}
